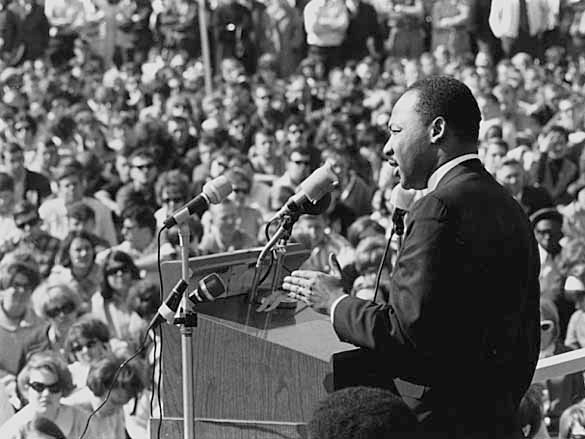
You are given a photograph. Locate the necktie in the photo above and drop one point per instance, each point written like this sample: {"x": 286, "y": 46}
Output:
{"x": 523, "y": 25}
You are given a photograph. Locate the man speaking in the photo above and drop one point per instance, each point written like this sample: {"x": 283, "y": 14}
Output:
{"x": 460, "y": 331}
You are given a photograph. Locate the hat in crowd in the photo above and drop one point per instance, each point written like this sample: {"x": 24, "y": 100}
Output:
{"x": 548, "y": 213}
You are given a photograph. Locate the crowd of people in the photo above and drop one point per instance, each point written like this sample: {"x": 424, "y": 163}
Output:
{"x": 106, "y": 128}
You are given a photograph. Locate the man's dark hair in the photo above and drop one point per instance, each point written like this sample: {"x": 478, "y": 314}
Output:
{"x": 446, "y": 96}
{"x": 80, "y": 211}
{"x": 362, "y": 412}
{"x": 143, "y": 216}
{"x": 559, "y": 130}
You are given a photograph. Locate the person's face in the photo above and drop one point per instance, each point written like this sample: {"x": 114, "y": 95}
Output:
{"x": 14, "y": 162}
{"x": 225, "y": 220}
{"x": 119, "y": 278}
{"x": 294, "y": 135}
{"x": 71, "y": 189}
{"x": 548, "y": 234}
{"x": 557, "y": 145}
{"x": 240, "y": 191}
{"x": 16, "y": 296}
{"x": 409, "y": 146}
{"x": 547, "y": 333}
{"x": 218, "y": 166}
{"x": 43, "y": 391}
{"x": 142, "y": 171}
{"x": 299, "y": 167}
{"x": 138, "y": 237}
{"x": 6, "y": 202}
{"x": 81, "y": 253}
{"x": 237, "y": 128}
{"x": 49, "y": 155}
{"x": 172, "y": 199}
{"x": 511, "y": 178}
{"x": 264, "y": 145}
{"x": 493, "y": 157}
{"x": 314, "y": 227}
{"x": 262, "y": 99}
{"x": 178, "y": 130}
{"x": 88, "y": 351}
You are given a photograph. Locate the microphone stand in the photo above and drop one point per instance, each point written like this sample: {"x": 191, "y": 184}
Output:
{"x": 187, "y": 320}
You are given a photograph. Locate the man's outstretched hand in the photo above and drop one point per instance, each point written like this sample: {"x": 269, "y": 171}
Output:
{"x": 316, "y": 289}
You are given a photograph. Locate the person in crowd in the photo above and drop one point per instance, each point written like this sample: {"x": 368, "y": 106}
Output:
{"x": 41, "y": 428}
{"x": 143, "y": 302}
{"x": 531, "y": 413}
{"x": 264, "y": 155}
{"x": 369, "y": 255}
{"x": 7, "y": 224}
{"x": 81, "y": 217}
{"x": 140, "y": 188}
{"x": 562, "y": 391}
{"x": 363, "y": 36}
{"x": 76, "y": 266}
{"x": 495, "y": 151}
{"x": 34, "y": 29}
{"x": 434, "y": 130}
{"x": 32, "y": 239}
{"x": 87, "y": 341}
{"x": 224, "y": 235}
{"x": 363, "y": 412}
{"x": 58, "y": 306}
{"x": 405, "y": 23}
{"x": 28, "y": 185}
{"x": 250, "y": 220}
{"x": 172, "y": 189}
{"x": 70, "y": 183}
{"x": 42, "y": 382}
{"x": 450, "y": 26}
{"x": 19, "y": 276}
{"x": 298, "y": 167}
{"x": 574, "y": 290}
{"x": 512, "y": 177}
{"x": 572, "y": 422}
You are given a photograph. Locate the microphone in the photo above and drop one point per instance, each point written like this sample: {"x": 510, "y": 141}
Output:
{"x": 311, "y": 198}
{"x": 401, "y": 199}
{"x": 213, "y": 192}
{"x": 208, "y": 288}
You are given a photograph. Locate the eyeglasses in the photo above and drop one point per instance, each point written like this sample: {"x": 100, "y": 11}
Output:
{"x": 117, "y": 270}
{"x": 546, "y": 325}
{"x": 40, "y": 387}
{"x": 30, "y": 223}
{"x": 144, "y": 167}
{"x": 68, "y": 308}
{"x": 301, "y": 162}
{"x": 79, "y": 347}
{"x": 176, "y": 200}
{"x": 241, "y": 190}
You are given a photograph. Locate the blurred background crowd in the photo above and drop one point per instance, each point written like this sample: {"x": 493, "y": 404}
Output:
{"x": 107, "y": 125}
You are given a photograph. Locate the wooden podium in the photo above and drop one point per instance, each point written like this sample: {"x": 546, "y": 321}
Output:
{"x": 257, "y": 375}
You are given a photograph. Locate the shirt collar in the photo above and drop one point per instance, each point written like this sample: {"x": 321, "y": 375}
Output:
{"x": 438, "y": 175}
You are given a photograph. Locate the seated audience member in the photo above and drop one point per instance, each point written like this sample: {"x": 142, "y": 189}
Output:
{"x": 126, "y": 386}
{"x": 311, "y": 231}
{"x": 368, "y": 257}
{"x": 250, "y": 220}
{"x": 109, "y": 303}
{"x": 70, "y": 188}
{"x": 547, "y": 224}
{"x": 264, "y": 155}
{"x": 298, "y": 167}
{"x": 530, "y": 413}
{"x": 554, "y": 170}
{"x": 575, "y": 292}
{"x": 7, "y": 224}
{"x": 259, "y": 195}
{"x": 562, "y": 391}
{"x": 572, "y": 423}
{"x": 28, "y": 185}
{"x": 494, "y": 152}
{"x": 57, "y": 305}
{"x": 41, "y": 428}
{"x": 82, "y": 217}
{"x": 87, "y": 341}
{"x": 138, "y": 231}
{"x": 224, "y": 234}
{"x": 140, "y": 189}
{"x": 512, "y": 177}
{"x": 32, "y": 238}
{"x": 19, "y": 276}
{"x": 172, "y": 189}
{"x": 43, "y": 381}
{"x": 364, "y": 413}
{"x": 143, "y": 302}
{"x": 77, "y": 267}
{"x": 574, "y": 215}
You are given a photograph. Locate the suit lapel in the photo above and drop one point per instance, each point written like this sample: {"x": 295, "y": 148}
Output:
{"x": 468, "y": 166}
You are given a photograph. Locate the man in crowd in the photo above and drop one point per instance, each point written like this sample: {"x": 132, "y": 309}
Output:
{"x": 462, "y": 232}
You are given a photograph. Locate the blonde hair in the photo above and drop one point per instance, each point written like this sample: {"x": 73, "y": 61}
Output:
{"x": 53, "y": 292}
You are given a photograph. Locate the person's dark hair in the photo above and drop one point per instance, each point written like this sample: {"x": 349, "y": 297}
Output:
{"x": 68, "y": 168}
{"x": 80, "y": 211}
{"x": 144, "y": 291}
{"x": 144, "y": 152}
{"x": 494, "y": 132}
{"x": 446, "y": 96}
{"x": 143, "y": 216}
{"x": 559, "y": 130}
{"x": 41, "y": 425}
{"x": 369, "y": 253}
{"x": 63, "y": 257}
{"x": 511, "y": 162}
{"x": 301, "y": 150}
{"x": 101, "y": 376}
{"x": 173, "y": 178}
{"x": 530, "y": 410}
{"x": 362, "y": 227}
{"x": 362, "y": 412}
{"x": 116, "y": 258}
{"x": 86, "y": 327}
{"x": 6, "y": 182}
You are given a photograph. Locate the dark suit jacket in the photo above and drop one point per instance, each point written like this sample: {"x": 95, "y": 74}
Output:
{"x": 463, "y": 308}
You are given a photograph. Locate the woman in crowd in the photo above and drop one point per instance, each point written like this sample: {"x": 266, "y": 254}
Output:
{"x": 109, "y": 304}
{"x": 41, "y": 428}
{"x": 43, "y": 381}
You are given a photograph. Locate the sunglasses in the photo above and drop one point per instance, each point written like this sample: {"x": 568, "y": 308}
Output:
{"x": 40, "y": 387}
{"x": 172, "y": 200}
{"x": 68, "y": 308}
{"x": 546, "y": 325}
{"x": 30, "y": 223}
{"x": 301, "y": 162}
{"x": 240, "y": 190}
{"x": 117, "y": 270}
{"x": 79, "y": 347}
{"x": 144, "y": 167}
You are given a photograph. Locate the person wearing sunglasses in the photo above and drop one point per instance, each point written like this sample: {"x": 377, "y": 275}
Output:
{"x": 140, "y": 188}
{"x": 43, "y": 381}
{"x": 298, "y": 167}
{"x": 172, "y": 189}
{"x": 562, "y": 391}
{"x": 109, "y": 303}
{"x": 250, "y": 219}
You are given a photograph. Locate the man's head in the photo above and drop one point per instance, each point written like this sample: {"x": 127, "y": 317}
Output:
{"x": 495, "y": 151}
{"x": 312, "y": 227}
{"x": 364, "y": 413}
{"x": 172, "y": 189}
{"x": 299, "y": 165}
{"x": 224, "y": 216}
{"x": 142, "y": 168}
{"x": 26, "y": 218}
{"x": 80, "y": 217}
{"x": 70, "y": 181}
{"x": 556, "y": 140}
{"x": 13, "y": 159}
{"x": 435, "y": 120}
{"x": 19, "y": 276}
{"x": 264, "y": 143}
{"x": 138, "y": 226}
{"x": 547, "y": 224}
{"x": 511, "y": 176}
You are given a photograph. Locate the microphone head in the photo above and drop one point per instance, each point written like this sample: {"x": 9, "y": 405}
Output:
{"x": 322, "y": 181}
{"x": 402, "y": 198}
{"x": 208, "y": 288}
{"x": 217, "y": 189}
{"x": 309, "y": 208}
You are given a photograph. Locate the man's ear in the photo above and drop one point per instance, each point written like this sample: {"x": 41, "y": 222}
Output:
{"x": 437, "y": 128}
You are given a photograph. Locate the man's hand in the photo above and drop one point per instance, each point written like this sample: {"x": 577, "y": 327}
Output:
{"x": 316, "y": 289}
